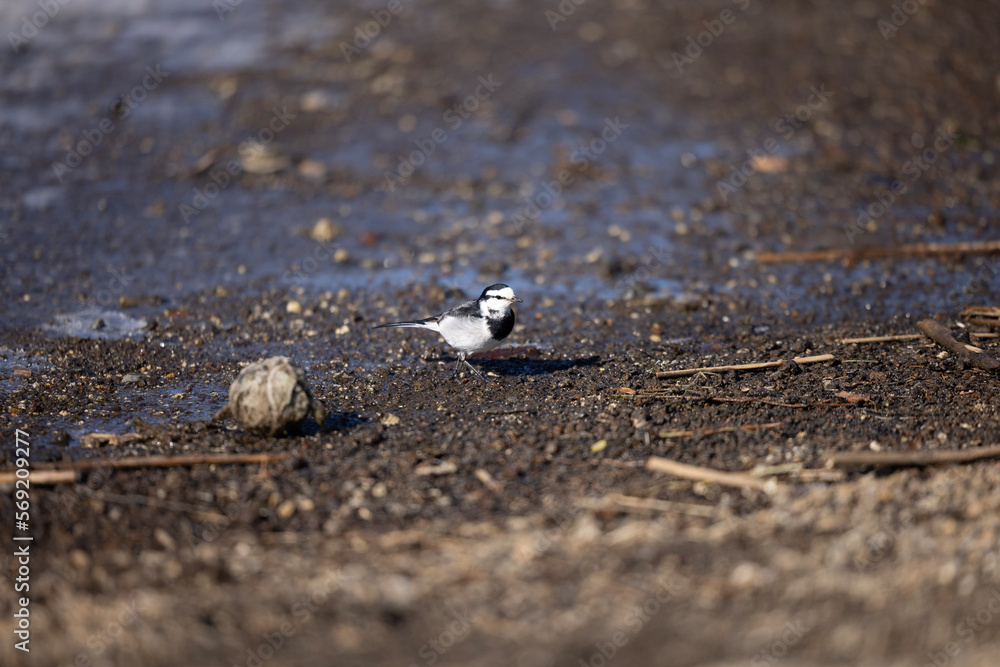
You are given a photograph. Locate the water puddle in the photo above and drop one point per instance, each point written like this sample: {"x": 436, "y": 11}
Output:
{"x": 95, "y": 323}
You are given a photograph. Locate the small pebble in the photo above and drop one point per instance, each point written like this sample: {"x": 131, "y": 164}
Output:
{"x": 305, "y": 505}
{"x": 788, "y": 367}
{"x": 164, "y": 539}
{"x": 286, "y": 509}
{"x": 325, "y": 230}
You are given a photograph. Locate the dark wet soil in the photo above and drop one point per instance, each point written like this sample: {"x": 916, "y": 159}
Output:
{"x": 434, "y": 518}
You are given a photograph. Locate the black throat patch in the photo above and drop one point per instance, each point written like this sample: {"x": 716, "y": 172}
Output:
{"x": 501, "y": 327}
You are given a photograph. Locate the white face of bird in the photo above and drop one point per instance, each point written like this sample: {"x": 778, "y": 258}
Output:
{"x": 498, "y": 299}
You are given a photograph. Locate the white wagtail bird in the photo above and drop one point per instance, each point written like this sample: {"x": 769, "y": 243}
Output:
{"x": 475, "y": 326}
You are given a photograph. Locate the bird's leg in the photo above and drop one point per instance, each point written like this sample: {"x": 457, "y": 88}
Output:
{"x": 462, "y": 360}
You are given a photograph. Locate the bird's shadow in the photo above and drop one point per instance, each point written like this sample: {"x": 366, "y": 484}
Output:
{"x": 334, "y": 421}
{"x": 520, "y": 366}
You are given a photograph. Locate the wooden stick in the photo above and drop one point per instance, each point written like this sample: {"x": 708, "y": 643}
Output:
{"x": 943, "y": 337}
{"x": 902, "y": 459}
{"x": 721, "y": 429}
{"x": 42, "y": 477}
{"x": 781, "y": 469}
{"x": 615, "y": 463}
{"x": 880, "y": 339}
{"x": 163, "y": 461}
{"x": 754, "y": 399}
{"x": 988, "y": 315}
{"x": 698, "y": 473}
{"x": 820, "y": 475}
{"x": 488, "y": 481}
{"x": 917, "y": 249}
{"x": 744, "y": 367}
{"x": 653, "y": 504}
{"x": 885, "y": 339}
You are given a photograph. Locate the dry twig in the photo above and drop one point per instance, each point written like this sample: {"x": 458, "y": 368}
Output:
{"x": 721, "y": 429}
{"x": 488, "y": 480}
{"x": 42, "y": 477}
{"x": 820, "y": 475}
{"x": 886, "y": 339}
{"x": 944, "y": 338}
{"x": 653, "y": 504}
{"x": 65, "y": 473}
{"x": 781, "y": 469}
{"x": 880, "y": 339}
{"x": 744, "y": 367}
{"x": 698, "y": 473}
{"x": 163, "y": 461}
{"x": 754, "y": 399}
{"x": 988, "y": 315}
{"x": 435, "y": 468}
{"x": 904, "y": 459}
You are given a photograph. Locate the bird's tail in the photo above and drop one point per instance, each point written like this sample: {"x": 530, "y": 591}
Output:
{"x": 428, "y": 323}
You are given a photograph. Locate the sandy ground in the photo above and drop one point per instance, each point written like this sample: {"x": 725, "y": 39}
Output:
{"x": 589, "y": 156}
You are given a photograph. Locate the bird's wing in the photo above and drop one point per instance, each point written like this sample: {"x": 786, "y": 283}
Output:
{"x": 467, "y": 309}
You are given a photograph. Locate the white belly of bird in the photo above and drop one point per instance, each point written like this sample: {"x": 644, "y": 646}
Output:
{"x": 469, "y": 336}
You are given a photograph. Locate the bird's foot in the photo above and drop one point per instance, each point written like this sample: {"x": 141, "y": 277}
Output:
{"x": 475, "y": 371}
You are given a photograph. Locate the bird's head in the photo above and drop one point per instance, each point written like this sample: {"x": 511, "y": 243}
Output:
{"x": 498, "y": 297}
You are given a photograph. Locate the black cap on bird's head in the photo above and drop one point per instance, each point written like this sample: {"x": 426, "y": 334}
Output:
{"x": 499, "y": 291}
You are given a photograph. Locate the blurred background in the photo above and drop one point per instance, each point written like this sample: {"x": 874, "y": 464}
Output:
{"x": 242, "y": 146}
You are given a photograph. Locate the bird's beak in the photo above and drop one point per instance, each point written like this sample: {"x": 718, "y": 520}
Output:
{"x": 516, "y": 300}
